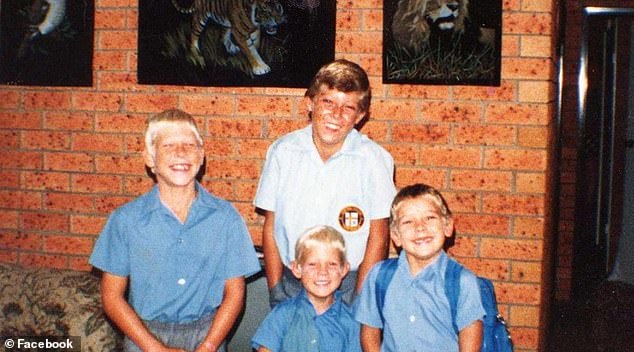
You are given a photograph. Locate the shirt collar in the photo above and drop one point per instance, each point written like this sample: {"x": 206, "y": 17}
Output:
{"x": 334, "y": 309}
{"x": 203, "y": 199}
{"x": 350, "y": 144}
{"x": 436, "y": 268}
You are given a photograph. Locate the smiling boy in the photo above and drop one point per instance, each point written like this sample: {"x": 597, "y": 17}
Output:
{"x": 182, "y": 253}
{"x": 416, "y": 313}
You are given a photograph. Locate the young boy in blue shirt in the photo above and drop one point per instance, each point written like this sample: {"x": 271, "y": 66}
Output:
{"x": 182, "y": 253}
{"x": 416, "y": 314}
{"x": 316, "y": 319}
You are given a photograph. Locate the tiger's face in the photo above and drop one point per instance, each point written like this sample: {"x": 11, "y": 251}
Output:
{"x": 269, "y": 14}
{"x": 446, "y": 15}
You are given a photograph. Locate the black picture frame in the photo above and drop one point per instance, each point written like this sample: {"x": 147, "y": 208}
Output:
{"x": 304, "y": 41}
{"x": 416, "y": 50}
{"x": 46, "y": 42}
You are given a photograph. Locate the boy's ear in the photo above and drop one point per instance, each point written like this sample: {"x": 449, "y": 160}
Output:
{"x": 149, "y": 159}
{"x": 449, "y": 227}
{"x": 395, "y": 238}
{"x": 346, "y": 269}
{"x": 309, "y": 104}
{"x": 295, "y": 268}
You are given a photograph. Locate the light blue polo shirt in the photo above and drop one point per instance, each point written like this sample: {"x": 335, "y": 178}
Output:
{"x": 416, "y": 309}
{"x": 176, "y": 271}
{"x": 294, "y": 326}
{"x": 351, "y": 188}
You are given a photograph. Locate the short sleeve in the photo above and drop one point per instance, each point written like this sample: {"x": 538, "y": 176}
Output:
{"x": 381, "y": 183}
{"x": 469, "y": 303}
{"x": 366, "y": 311}
{"x": 110, "y": 253}
{"x": 240, "y": 256}
{"x": 266, "y": 193}
{"x": 271, "y": 331}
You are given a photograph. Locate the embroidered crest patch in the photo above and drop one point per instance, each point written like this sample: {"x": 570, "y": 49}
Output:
{"x": 351, "y": 218}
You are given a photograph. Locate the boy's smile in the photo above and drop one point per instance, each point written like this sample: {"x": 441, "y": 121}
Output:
{"x": 421, "y": 231}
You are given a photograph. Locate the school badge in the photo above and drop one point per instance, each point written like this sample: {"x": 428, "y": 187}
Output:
{"x": 351, "y": 218}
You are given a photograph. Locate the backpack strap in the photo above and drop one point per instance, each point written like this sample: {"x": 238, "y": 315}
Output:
{"x": 386, "y": 272}
{"x": 452, "y": 289}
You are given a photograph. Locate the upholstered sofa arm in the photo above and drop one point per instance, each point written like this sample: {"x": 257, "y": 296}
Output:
{"x": 53, "y": 302}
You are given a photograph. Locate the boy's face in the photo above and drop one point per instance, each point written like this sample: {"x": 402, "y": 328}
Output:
{"x": 421, "y": 231}
{"x": 334, "y": 115}
{"x": 177, "y": 155}
{"x": 320, "y": 272}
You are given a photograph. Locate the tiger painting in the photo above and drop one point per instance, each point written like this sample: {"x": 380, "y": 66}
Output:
{"x": 242, "y": 22}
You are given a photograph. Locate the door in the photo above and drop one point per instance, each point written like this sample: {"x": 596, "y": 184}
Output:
{"x": 604, "y": 84}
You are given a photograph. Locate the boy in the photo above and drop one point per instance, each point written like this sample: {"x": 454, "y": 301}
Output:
{"x": 416, "y": 312}
{"x": 327, "y": 173}
{"x": 315, "y": 319}
{"x": 183, "y": 252}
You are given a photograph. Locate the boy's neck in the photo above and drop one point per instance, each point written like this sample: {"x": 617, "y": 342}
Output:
{"x": 416, "y": 265}
{"x": 321, "y": 305}
{"x": 179, "y": 201}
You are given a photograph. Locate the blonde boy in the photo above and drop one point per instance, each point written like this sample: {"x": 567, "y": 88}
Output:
{"x": 182, "y": 253}
{"x": 416, "y": 315}
{"x": 316, "y": 319}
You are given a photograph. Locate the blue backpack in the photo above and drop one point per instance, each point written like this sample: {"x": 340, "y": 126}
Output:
{"x": 495, "y": 337}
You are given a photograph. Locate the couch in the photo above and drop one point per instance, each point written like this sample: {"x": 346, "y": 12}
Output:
{"x": 55, "y": 302}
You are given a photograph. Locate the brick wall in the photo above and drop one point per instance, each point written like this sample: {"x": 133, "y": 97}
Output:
{"x": 69, "y": 156}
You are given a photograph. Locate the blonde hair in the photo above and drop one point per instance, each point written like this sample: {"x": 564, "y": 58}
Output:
{"x": 162, "y": 120}
{"x": 344, "y": 76}
{"x": 320, "y": 235}
{"x": 415, "y": 191}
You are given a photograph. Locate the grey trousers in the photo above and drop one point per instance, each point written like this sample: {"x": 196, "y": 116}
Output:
{"x": 186, "y": 336}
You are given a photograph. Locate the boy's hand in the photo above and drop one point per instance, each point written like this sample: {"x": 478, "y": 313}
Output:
{"x": 206, "y": 347}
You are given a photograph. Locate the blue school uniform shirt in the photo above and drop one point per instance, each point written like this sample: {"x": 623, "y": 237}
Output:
{"x": 176, "y": 271}
{"x": 416, "y": 309}
{"x": 294, "y": 326}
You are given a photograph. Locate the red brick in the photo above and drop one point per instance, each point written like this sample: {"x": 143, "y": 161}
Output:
{"x": 233, "y": 169}
{"x": 220, "y": 147}
{"x": 264, "y": 106}
{"x": 372, "y": 20}
{"x": 20, "y": 160}
{"x": 527, "y": 23}
{"x": 120, "y": 164}
{"x": 512, "y": 159}
{"x": 279, "y": 127}
{"x": 231, "y": 127}
{"x": 20, "y": 120}
{"x": 523, "y": 114}
{"x": 245, "y": 191}
{"x": 407, "y": 176}
{"x": 9, "y": 100}
{"x": 208, "y": 105}
{"x": 524, "y": 316}
{"x": 47, "y": 100}
{"x": 138, "y": 185}
{"x": 461, "y": 201}
{"x": 513, "y": 204}
{"x": 132, "y": 18}
{"x": 110, "y": 19}
{"x": 7, "y": 256}
{"x": 9, "y": 139}
{"x": 511, "y": 249}
{"x": 117, "y": 39}
{"x": 20, "y": 200}
{"x": 246, "y": 211}
{"x": 464, "y": 246}
{"x": 485, "y": 135}
{"x": 58, "y": 161}
{"x": 118, "y": 81}
{"x": 48, "y": 181}
{"x": 528, "y": 227}
{"x": 395, "y": 110}
{"x": 505, "y": 92}
{"x": 45, "y": 221}
{"x": 86, "y": 225}
{"x": 252, "y": 148}
{"x": 106, "y": 204}
{"x": 134, "y": 144}
{"x": 9, "y": 179}
{"x": 525, "y": 338}
{"x": 120, "y": 123}
{"x": 109, "y": 60}
{"x": 97, "y": 183}
{"x": 9, "y": 219}
{"x": 359, "y": 42}
{"x": 79, "y": 263}
{"x": 467, "y": 157}
{"x": 530, "y": 183}
{"x": 419, "y": 133}
{"x": 510, "y": 45}
{"x": 98, "y": 101}
{"x": 533, "y": 137}
{"x": 220, "y": 188}
{"x": 493, "y": 269}
{"x": 481, "y": 180}
{"x": 68, "y": 244}
{"x": 457, "y": 112}
{"x": 151, "y": 103}
{"x": 419, "y": 92}
{"x": 84, "y": 142}
{"x": 69, "y": 202}
{"x": 348, "y": 19}
{"x": 48, "y": 140}
{"x": 403, "y": 154}
{"x": 44, "y": 260}
{"x": 526, "y": 271}
{"x": 71, "y": 121}
{"x": 20, "y": 241}
{"x": 376, "y": 130}
{"x": 526, "y": 68}
{"x": 473, "y": 224}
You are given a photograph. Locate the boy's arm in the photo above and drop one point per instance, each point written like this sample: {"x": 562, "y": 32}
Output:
{"x": 470, "y": 338}
{"x": 272, "y": 260}
{"x": 263, "y": 349}
{"x": 370, "y": 338}
{"x": 226, "y": 315}
{"x": 376, "y": 249}
{"x": 117, "y": 308}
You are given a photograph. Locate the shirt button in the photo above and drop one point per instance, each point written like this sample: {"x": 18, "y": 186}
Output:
{"x": 181, "y": 282}
{"x": 313, "y": 341}
{"x": 412, "y": 318}
{"x": 180, "y": 240}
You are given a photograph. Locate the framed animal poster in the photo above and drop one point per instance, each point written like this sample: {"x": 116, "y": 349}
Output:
{"x": 455, "y": 42}
{"x": 279, "y": 43}
{"x": 46, "y": 42}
